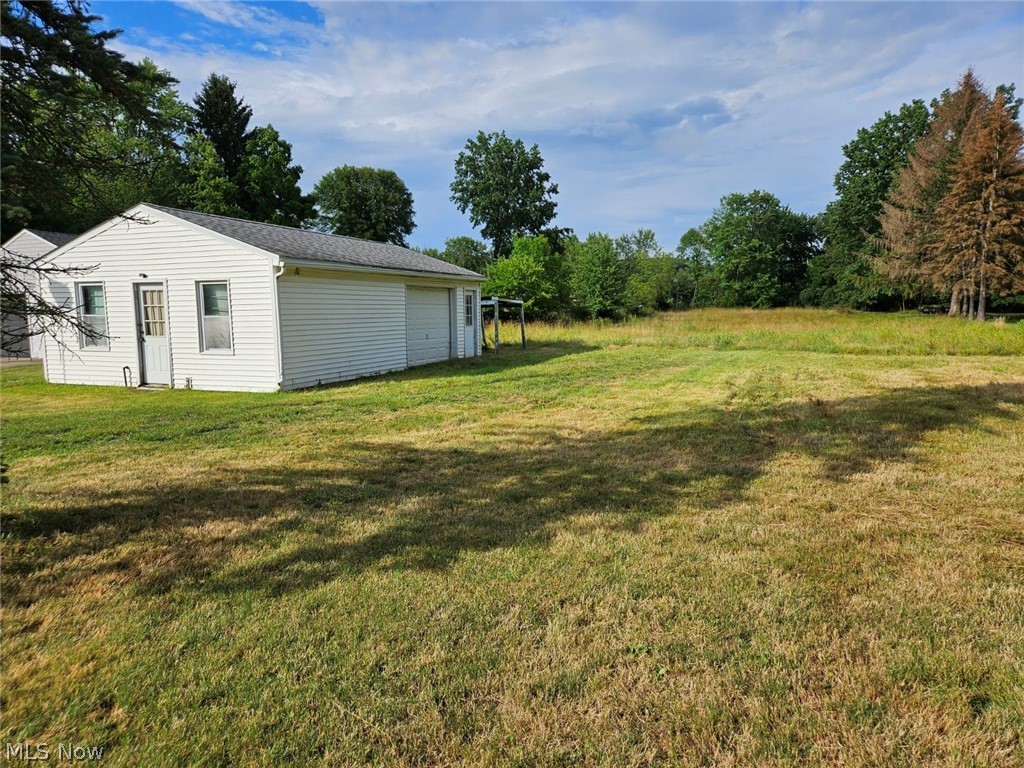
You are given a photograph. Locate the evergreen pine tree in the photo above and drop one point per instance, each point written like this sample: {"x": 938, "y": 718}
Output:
{"x": 58, "y": 81}
{"x": 223, "y": 118}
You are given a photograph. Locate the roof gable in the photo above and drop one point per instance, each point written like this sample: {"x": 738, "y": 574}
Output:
{"x": 57, "y": 239}
{"x": 53, "y": 239}
{"x": 304, "y": 245}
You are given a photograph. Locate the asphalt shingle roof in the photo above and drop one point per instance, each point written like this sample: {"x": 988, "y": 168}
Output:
{"x": 57, "y": 238}
{"x": 292, "y": 243}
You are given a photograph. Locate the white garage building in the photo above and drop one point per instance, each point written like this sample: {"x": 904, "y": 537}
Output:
{"x": 187, "y": 299}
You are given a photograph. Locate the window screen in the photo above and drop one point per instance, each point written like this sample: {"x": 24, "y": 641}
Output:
{"x": 93, "y": 315}
{"x": 216, "y": 315}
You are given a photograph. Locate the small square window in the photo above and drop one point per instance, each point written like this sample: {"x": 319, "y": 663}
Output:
{"x": 154, "y": 315}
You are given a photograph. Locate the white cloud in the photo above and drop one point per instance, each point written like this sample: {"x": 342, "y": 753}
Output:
{"x": 645, "y": 114}
{"x": 250, "y": 18}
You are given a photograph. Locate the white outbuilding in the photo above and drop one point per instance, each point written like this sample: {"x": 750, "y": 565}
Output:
{"x": 28, "y": 247}
{"x": 193, "y": 300}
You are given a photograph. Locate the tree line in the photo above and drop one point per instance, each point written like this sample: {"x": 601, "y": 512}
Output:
{"x": 929, "y": 200}
{"x": 929, "y": 208}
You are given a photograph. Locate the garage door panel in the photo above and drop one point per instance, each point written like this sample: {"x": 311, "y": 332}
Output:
{"x": 428, "y": 325}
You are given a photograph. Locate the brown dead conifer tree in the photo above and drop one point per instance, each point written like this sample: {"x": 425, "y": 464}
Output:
{"x": 909, "y": 226}
{"x": 979, "y": 245}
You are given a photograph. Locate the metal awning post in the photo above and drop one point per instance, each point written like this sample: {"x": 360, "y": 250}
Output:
{"x": 496, "y": 303}
{"x": 497, "y": 344}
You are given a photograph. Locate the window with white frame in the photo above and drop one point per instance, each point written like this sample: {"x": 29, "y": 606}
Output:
{"x": 154, "y": 315}
{"x": 214, "y": 316}
{"x": 92, "y": 313}
{"x": 470, "y": 307}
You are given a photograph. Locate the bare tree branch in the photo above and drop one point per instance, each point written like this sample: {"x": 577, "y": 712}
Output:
{"x": 24, "y": 280}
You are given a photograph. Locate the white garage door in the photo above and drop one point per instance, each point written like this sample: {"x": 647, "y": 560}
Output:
{"x": 427, "y": 324}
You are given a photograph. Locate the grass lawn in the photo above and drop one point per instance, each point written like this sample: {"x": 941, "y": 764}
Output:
{"x": 708, "y": 538}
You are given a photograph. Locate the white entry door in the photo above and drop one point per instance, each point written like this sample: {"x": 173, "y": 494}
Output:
{"x": 428, "y": 325}
{"x": 156, "y": 353}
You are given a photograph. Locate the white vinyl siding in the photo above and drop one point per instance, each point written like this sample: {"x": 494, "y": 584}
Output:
{"x": 467, "y": 337}
{"x": 326, "y": 324}
{"x": 215, "y": 316}
{"x": 92, "y": 314}
{"x": 459, "y": 322}
{"x": 469, "y": 329}
{"x": 164, "y": 250}
{"x": 338, "y": 326}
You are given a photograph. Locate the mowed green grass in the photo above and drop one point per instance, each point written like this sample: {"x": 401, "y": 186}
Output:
{"x": 707, "y": 538}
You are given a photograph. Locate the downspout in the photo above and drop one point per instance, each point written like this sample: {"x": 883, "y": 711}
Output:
{"x": 277, "y": 323}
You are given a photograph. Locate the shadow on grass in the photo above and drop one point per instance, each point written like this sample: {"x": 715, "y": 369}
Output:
{"x": 396, "y": 505}
{"x": 488, "y": 362}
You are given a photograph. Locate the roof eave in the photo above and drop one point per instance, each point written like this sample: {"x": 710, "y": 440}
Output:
{"x": 343, "y": 267}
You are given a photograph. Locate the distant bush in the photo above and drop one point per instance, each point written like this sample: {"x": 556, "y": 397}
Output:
{"x": 534, "y": 273}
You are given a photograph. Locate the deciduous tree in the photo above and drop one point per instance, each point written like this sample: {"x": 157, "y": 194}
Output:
{"x": 371, "y": 203}
{"x": 149, "y": 165}
{"x": 505, "y": 189}
{"x": 532, "y": 272}
{"x": 597, "y": 277}
{"x": 693, "y": 267}
{"x": 841, "y": 274}
{"x": 648, "y": 272}
{"x": 269, "y": 183}
{"x": 208, "y": 188}
{"x": 759, "y": 249}
{"x": 467, "y": 252}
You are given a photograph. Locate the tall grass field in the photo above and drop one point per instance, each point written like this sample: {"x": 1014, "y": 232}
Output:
{"x": 722, "y": 538}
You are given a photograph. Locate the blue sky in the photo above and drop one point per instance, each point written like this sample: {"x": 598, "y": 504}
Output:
{"x": 646, "y": 114}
